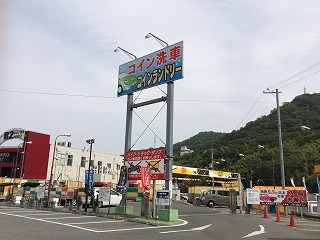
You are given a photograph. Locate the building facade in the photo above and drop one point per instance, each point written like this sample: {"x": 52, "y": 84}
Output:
{"x": 33, "y": 158}
{"x": 70, "y": 164}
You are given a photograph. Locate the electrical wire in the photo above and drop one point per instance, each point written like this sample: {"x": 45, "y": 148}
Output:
{"x": 295, "y": 75}
{"x": 249, "y": 110}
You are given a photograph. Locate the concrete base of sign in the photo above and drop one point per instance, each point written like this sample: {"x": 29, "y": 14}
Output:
{"x": 124, "y": 210}
{"x": 168, "y": 215}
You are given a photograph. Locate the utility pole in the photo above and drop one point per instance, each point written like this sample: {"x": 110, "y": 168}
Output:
{"x": 87, "y": 184}
{"x": 283, "y": 180}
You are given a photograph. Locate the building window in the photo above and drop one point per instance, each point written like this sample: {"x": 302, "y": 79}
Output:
{"x": 118, "y": 166}
{"x": 108, "y": 165}
{"x": 83, "y": 161}
{"x": 70, "y": 158}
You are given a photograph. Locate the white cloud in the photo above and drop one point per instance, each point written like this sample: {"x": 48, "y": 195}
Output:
{"x": 232, "y": 52}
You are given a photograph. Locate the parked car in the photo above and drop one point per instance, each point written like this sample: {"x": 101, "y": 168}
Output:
{"x": 184, "y": 196}
{"x": 214, "y": 197}
{"x": 115, "y": 197}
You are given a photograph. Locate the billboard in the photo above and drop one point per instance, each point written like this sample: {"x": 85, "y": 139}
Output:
{"x": 284, "y": 197}
{"x": 151, "y": 70}
{"x": 153, "y": 158}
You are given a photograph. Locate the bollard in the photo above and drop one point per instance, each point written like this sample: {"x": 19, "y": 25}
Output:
{"x": 71, "y": 204}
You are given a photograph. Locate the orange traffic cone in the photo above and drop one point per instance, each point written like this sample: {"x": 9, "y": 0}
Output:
{"x": 265, "y": 213}
{"x": 278, "y": 217}
{"x": 292, "y": 220}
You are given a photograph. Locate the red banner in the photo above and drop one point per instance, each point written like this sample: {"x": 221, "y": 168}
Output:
{"x": 145, "y": 180}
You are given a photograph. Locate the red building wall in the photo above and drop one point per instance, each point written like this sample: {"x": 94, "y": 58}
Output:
{"x": 36, "y": 156}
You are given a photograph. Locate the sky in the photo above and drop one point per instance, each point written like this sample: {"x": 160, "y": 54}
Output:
{"x": 59, "y": 71}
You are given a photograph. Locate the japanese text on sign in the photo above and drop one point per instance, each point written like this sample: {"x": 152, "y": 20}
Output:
{"x": 153, "y": 158}
{"x": 154, "y": 69}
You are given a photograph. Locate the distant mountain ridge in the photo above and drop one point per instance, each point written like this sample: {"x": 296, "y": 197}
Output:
{"x": 301, "y": 148}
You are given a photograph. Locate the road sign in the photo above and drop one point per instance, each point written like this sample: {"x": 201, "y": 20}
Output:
{"x": 162, "y": 197}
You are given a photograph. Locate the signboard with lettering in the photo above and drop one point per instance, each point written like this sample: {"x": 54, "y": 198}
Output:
{"x": 89, "y": 181}
{"x": 13, "y": 133}
{"x": 253, "y": 196}
{"x": 104, "y": 194}
{"x": 154, "y": 158}
{"x": 284, "y": 197}
{"x": 162, "y": 197}
{"x": 122, "y": 180}
{"x": 151, "y": 70}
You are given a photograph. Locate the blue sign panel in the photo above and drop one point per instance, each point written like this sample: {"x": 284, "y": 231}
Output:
{"x": 163, "y": 197}
{"x": 151, "y": 70}
{"x": 89, "y": 180}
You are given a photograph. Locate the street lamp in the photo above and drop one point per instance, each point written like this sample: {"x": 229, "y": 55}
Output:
{"x": 309, "y": 129}
{"x": 273, "y": 176}
{"x": 242, "y": 155}
{"x": 130, "y": 55}
{"x": 128, "y": 132}
{"x": 53, "y": 158}
{"x": 89, "y": 141}
{"x": 163, "y": 43}
{"x": 305, "y": 128}
{"x": 262, "y": 182}
{"x": 24, "y": 154}
{"x": 14, "y": 178}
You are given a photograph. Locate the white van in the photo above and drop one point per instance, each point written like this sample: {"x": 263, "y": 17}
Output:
{"x": 115, "y": 198}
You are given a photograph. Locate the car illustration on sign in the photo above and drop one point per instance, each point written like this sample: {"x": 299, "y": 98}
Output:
{"x": 267, "y": 198}
{"x": 126, "y": 82}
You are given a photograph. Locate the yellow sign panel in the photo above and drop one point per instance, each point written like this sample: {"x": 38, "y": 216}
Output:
{"x": 316, "y": 169}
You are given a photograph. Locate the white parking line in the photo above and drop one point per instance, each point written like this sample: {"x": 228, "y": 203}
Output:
{"x": 81, "y": 216}
{"x": 44, "y": 213}
{"x": 93, "y": 230}
{"x": 97, "y": 222}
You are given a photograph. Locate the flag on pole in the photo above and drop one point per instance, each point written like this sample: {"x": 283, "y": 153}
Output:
{"x": 318, "y": 181}
{"x": 304, "y": 184}
{"x": 292, "y": 182}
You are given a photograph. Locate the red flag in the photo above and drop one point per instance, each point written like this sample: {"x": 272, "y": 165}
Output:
{"x": 145, "y": 180}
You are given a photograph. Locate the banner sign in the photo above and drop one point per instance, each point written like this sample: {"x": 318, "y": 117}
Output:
{"x": 122, "y": 180}
{"x": 13, "y": 133}
{"x": 104, "y": 194}
{"x": 154, "y": 158}
{"x": 151, "y": 70}
{"x": 145, "y": 181}
{"x": 162, "y": 197}
{"x": 253, "y": 196}
{"x": 89, "y": 181}
{"x": 284, "y": 197}
{"x": 296, "y": 197}
{"x": 40, "y": 193}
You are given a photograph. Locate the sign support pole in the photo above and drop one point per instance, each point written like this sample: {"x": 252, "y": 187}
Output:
{"x": 123, "y": 208}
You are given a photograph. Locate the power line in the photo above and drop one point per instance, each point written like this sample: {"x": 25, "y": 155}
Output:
{"x": 279, "y": 83}
{"x": 99, "y": 96}
{"x": 294, "y": 75}
{"x": 55, "y": 94}
{"x": 249, "y": 110}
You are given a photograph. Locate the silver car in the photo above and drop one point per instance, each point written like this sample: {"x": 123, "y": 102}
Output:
{"x": 214, "y": 197}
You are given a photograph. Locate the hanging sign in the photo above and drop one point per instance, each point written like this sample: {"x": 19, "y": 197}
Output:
{"x": 153, "y": 158}
{"x": 151, "y": 70}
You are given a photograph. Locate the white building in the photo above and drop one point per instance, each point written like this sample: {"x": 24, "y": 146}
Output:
{"x": 185, "y": 150}
{"x": 70, "y": 164}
